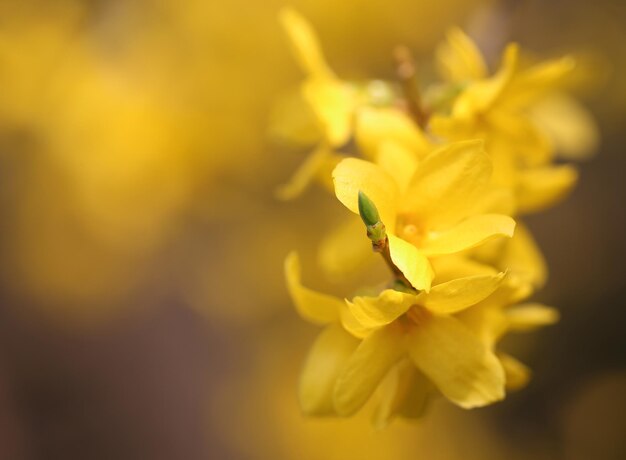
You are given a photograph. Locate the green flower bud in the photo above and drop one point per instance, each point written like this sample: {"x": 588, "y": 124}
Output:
{"x": 367, "y": 210}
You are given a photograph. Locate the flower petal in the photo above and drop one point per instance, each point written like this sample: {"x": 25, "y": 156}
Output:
{"x": 333, "y": 103}
{"x": 352, "y": 175}
{"x": 447, "y": 183}
{"x": 374, "y": 312}
{"x": 456, "y": 295}
{"x": 376, "y": 125}
{"x": 331, "y": 350}
{"x": 469, "y": 233}
{"x": 305, "y": 43}
{"x": 534, "y": 83}
{"x": 480, "y": 96}
{"x": 540, "y": 188}
{"x": 449, "y": 268}
{"x": 399, "y": 162}
{"x": 461, "y": 367}
{"x": 569, "y": 125}
{"x": 458, "y": 59}
{"x": 352, "y": 325}
{"x": 311, "y": 305}
{"x": 411, "y": 262}
{"x": 367, "y": 366}
{"x": 319, "y": 160}
{"x": 517, "y": 374}
{"x": 523, "y": 258}
{"x": 404, "y": 391}
{"x": 530, "y": 316}
{"x": 486, "y": 321}
{"x": 342, "y": 252}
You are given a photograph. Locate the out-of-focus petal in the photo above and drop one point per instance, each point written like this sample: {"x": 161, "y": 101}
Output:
{"x": 367, "y": 366}
{"x": 317, "y": 161}
{"x": 530, "y": 316}
{"x": 540, "y": 188}
{"x": 533, "y": 83}
{"x": 305, "y": 43}
{"x": 404, "y": 391}
{"x": 523, "y": 258}
{"x": 333, "y": 103}
{"x": 516, "y": 373}
{"x": 461, "y": 367}
{"x": 411, "y": 262}
{"x": 329, "y": 353}
{"x": 483, "y": 94}
{"x": 353, "y": 174}
{"x": 376, "y": 125}
{"x": 571, "y": 128}
{"x": 458, "y": 58}
{"x": 311, "y": 305}
{"x": 346, "y": 249}
{"x": 456, "y": 295}
{"x": 469, "y": 233}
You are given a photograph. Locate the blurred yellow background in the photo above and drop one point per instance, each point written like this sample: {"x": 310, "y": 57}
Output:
{"x": 143, "y": 312}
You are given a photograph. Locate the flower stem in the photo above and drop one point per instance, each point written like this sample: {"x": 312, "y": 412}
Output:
{"x": 408, "y": 76}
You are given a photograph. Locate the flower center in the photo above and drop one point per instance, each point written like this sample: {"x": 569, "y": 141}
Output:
{"x": 410, "y": 230}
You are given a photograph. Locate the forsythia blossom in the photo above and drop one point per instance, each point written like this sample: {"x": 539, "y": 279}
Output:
{"x": 437, "y": 179}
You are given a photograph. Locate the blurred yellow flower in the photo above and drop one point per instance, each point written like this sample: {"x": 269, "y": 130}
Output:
{"x": 521, "y": 114}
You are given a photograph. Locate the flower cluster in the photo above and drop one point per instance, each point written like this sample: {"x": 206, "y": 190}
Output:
{"x": 438, "y": 179}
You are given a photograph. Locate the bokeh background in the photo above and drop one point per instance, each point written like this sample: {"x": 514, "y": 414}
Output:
{"x": 143, "y": 313}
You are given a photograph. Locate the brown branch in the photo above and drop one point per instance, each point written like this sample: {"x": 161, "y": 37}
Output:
{"x": 407, "y": 74}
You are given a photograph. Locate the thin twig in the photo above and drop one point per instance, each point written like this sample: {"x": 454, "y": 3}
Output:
{"x": 408, "y": 76}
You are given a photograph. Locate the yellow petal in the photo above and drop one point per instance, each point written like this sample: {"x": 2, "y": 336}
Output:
{"x": 568, "y": 124}
{"x": 458, "y": 59}
{"x": 352, "y": 325}
{"x": 486, "y": 320}
{"x": 523, "y": 258}
{"x": 517, "y": 374}
{"x": 399, "y": 162}
{"x": 523, "y": 139}
{"x": 530, "y": 316}
{"x": 451, "y": 267}
{"x": 367, "y": 366}
{"x": 447, "y": 183}
{"x": 306, "y": 173}
{"x": 480, "y": 96}
{"x": 331, "y": 350}
{"x": 533, "y": 83}
{"x": 418, "y": 397}
{"x": 461, "y": 367}
{"x": 374, "y": 312}
{"x": 305, "y": 43}
{"x": 469, "y": 233}
{"x": 540, "y": 188}
{"x": 311, "y": 305}
{"x": 411, "y": 262}
{"x": 346, "y": 249}
{"x": 404, "y": 391}
{"x": 333, "y": 103}
{"x": 292, "y": 121}
{"x": 456, "y": 295}
{"x": 352, "y": 175}
{"x": 375, "y": 125}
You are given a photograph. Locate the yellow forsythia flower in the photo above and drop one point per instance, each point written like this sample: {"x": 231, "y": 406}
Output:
{"x": 436, "y": 181}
